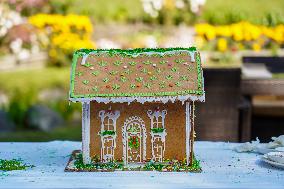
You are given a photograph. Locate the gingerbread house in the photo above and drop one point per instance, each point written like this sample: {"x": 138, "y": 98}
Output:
{"x": 137, "y": 105}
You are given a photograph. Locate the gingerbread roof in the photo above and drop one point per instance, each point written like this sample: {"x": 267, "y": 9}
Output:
{"x": 144, "y": 75}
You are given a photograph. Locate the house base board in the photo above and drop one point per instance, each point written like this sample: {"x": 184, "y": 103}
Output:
{"x": 70, "y": 167}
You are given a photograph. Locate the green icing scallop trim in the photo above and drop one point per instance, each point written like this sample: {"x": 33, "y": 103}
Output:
{"x": 82, "y": 52}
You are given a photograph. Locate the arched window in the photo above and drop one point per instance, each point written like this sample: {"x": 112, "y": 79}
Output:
{"x": 158, "y": 133}
{"x": 108, "y": 134}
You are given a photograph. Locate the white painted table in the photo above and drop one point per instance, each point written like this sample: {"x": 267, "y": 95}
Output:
{"x": 222, "y": 168}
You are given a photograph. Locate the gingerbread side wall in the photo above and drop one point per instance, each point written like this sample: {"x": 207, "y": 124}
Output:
{"x": 174, "y": 125}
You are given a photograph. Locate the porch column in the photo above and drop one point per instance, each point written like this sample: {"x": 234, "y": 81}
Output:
{"x": 187, "y": 131}
{"x": 86, "y": 132}
{"x": 192, "y": 116}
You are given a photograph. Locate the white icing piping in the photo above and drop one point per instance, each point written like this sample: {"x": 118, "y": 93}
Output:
{"x": 105, "y": 155}
{"x": 86, "y": 132}
{"x": 191, "y": 54}
{"x": 163, "y": 99}
{"x": 187, "y": 129}
{"x": 137, "y": 121}
{"x": 154, "y": 116}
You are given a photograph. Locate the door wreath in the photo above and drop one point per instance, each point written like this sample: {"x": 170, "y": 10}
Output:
{"x": 133, "y": 142}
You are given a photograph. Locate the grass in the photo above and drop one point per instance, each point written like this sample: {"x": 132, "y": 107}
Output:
{"x": 14, "y": 164}
{"x": 256, "y": 11}
{"x": 63, "y": 133}
{"x": 28, "y": 84}
{"x": 36, "y": 80}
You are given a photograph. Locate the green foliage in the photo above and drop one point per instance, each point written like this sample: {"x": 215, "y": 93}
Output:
{"x": 147, "y": 62}
{"x": 106, "y": 80}
{"x": 169, "y": 165}
{"x": 123, "y": 79}
{"x": 153, "y": 78}
{"x": 180, "y": 61}
{"x": 131, "y": 52}
{"x": 113, "y": 72}
{"x": 41, "y": 79}
{"x": 139, "y": 79}
{"x": 163, "y": 62}
{"x": 178, "y": 84}
{"x": 96, "y": 73}
{"x": 152, "y": 166}
{"x": 157, "y": 130}
{"x": 22, "y": 90}
{"x": 133, "y": 142}
{"x": 103, "y": 11}
{"x": 17, "y": 107}
{"x": 174, "y": 69}
{"x": 96, "y": 165}
{"x": 132, "y": 86}
{"x": 79, "y": 74}
{"x": 102, "y": 63}
{"x": 107, "y": 132}
{"x": 147, "y": 85}
{"x": 173, "y": 165}
{"x": 116, "y": 87}
{"x": 117, "y": 63}
{"x": 64, "y": 108}
{"x": 169, "y": 77}
{"x": 60, "y": 6}
{"x": 162, "y": 84}
{"x": 69, "y": 132}
{"x": 14, "y": 164}
{"x": 85, "y": 82}
{"x": 132, "y": 63}
{"x": 184, "y": 77}
{"x": 87, "y": 64}
{"x": 95, "y": 88}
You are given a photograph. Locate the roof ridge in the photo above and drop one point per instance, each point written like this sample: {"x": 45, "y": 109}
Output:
{"x": 134, "y": 51}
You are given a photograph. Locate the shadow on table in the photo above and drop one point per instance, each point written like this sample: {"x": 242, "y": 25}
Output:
{"x": 263, "y": 164}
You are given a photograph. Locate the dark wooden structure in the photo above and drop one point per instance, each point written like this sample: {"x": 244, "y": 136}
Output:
{"x": 218, "y": 117}
{"x": 256, "y": 87}
{"x": 256, "y": 123}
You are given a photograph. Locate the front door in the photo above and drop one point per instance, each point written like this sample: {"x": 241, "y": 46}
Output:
{"x": 134, "y": 140}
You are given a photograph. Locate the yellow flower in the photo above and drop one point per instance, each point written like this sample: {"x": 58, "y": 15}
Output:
{"x": 256, "y": 46}
{"x": 222, "y": 44}
{"x": 68, "y": 32}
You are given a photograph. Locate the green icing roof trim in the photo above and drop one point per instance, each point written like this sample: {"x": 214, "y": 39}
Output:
{"x": 131, "y": 52}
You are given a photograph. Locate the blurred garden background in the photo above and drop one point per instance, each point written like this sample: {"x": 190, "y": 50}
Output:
{"x": 241, "y": 43}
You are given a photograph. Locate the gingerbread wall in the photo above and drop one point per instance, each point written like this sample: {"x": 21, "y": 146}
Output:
{"x": 174, "y": 125}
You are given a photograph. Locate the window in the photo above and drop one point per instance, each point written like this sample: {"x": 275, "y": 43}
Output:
{"x": 158, "y": 134}
{"x": 109, "y": 124}
{"x": 158, "y": 122}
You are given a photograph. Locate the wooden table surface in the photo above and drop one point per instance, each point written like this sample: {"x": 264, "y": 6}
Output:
{"x": 222, "y": 168}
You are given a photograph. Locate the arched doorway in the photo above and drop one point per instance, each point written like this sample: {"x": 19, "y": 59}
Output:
{"x": 134, "y": 140}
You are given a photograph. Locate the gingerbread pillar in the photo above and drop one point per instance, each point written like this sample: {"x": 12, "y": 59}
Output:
{"x": 188, "y": 131}
{"x": 86, "y": 132}
{"x": 192, "y": 116}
